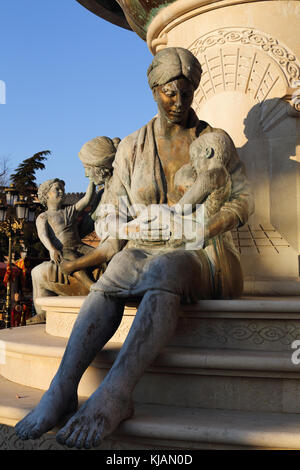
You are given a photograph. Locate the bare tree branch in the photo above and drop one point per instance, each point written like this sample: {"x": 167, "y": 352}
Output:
{"x": 4, "y": 170}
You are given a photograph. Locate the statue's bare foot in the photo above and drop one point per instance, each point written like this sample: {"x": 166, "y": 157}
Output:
{"x": 96, "y": 419}
{"x": 53, "y": 407}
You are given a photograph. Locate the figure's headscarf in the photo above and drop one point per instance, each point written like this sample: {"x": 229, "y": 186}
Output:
{"x": 172, "y": 63}
{"x": 99, "y": 151}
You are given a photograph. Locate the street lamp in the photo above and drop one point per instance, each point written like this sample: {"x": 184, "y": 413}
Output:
{"x": 2, "y": 211}
{"x": 12, "y": 195}
{"x": 12, "y": 217}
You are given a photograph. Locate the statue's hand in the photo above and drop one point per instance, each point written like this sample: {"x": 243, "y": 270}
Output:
{"x": 66, "y": 267}
{"x": 56, "y": 256}
{"x": 223, "y": 221}
{"x": 147, "y": 230}
{"x": 160, "y": 222}
{"x": 153, "y": 224}
{"x": 188, "y": 228}
{"x": 146, "y": 226}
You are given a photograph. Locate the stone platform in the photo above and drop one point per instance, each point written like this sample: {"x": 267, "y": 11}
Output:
{"x": 225, "y": 381}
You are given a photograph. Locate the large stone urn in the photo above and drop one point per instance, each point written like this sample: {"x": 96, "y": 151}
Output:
{"x": 250, "y": 54}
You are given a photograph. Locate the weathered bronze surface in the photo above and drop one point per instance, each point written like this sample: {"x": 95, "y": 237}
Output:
{"x": 163, "y": 277}
{"x": 107, "y": 9}
{"x": 134, "y": 14}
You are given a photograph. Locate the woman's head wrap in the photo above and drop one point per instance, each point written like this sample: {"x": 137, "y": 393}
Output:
{"x": 172, "y": 63}
{"x": 99, "y": 151}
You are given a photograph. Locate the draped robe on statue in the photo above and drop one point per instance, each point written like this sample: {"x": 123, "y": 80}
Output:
{"x": 213, "y": 271}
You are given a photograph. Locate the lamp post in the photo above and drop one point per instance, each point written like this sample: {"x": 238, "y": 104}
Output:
{"x": 13, "y": 214}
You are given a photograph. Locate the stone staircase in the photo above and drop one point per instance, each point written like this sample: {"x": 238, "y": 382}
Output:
{"x": 225, "y": 381}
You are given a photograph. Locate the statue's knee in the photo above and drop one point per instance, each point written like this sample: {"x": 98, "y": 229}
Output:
{"x": 35, "y": 272}
{"x": 127, "y": 259}
{"x": 169, "y": 265}
{"x": 159, "y": 267}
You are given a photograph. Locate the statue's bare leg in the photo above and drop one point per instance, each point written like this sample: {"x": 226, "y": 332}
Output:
{"x": 41, "y": 286}
{"x": 111, "y": 403}
{"x": 97, "y": 322}
{"x": 82, "y": 277}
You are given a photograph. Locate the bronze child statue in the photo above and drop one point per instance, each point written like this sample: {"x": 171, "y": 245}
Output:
{"x": 97, "y": 156}
{"x": 210, "y": 156}
{"x": 58, "y": 226}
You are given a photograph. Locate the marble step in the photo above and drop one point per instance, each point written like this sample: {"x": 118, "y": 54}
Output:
{"x": 252, "y": 323}
{"x": 181, "y": 376}
{"x": 271, "y": 286}
{"x": 161, "y": 427}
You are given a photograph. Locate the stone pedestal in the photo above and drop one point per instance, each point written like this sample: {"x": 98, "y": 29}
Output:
{"x": 226, "y": 379}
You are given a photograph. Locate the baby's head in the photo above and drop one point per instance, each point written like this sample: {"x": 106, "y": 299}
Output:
{"x": 215, "y": 145}
{"x": 97, "y": 156}
{"x": 48, "y": 186}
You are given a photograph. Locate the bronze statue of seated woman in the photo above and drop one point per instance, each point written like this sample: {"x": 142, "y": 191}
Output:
{"x": 161, "y": 273}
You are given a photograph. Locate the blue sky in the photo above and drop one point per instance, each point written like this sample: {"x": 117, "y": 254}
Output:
{"x": 70, "y": 76}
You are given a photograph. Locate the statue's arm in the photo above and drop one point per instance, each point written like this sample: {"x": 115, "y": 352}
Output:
{"x": 43, "y": 234}
{"x": 206, "y": 182}
{"x": 102, "y": 254}
{"x": 87, "y": 198}
{"x": 235, "y": 212}
{"x": 221, "y": 222}
{"x": 108, "y": 208}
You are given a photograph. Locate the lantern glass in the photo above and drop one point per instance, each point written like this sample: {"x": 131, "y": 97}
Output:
{"x": 21, "y": 210}
{"x": 15, "y": 198}
{"x": 11, "y": 195}
{"x": 8, "y": 198}
{"x": 2, "y": 213}
{"x": 31, "y": 214}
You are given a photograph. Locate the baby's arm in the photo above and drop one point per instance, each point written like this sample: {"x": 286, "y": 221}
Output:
{"x": 87, "y": 198}
{"x": 42, "y": 230}
{"x": 204, "y": 185}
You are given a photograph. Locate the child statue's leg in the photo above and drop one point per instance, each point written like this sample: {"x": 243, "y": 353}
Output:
{"x": 82, "y": 277}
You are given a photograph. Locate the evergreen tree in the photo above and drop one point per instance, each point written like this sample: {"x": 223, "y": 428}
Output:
{"x": 24, "y": 180}
{"x": 24, "y": 177}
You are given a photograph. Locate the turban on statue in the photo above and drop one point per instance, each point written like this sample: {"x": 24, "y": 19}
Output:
{"x": 99, "y": 151}
{"x": 170, "y": 64}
